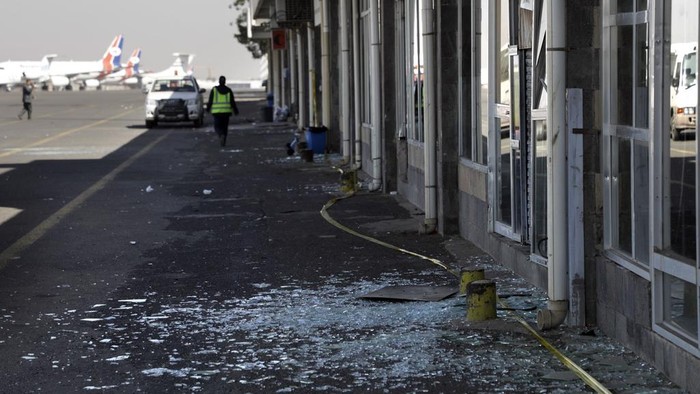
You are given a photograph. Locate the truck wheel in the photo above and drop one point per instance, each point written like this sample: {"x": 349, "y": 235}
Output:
{"x": 150, "y": 124}
{"x": 675, "y": 134}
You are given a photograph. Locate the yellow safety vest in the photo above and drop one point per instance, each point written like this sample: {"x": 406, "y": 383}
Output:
{"x": 221, "y": 103}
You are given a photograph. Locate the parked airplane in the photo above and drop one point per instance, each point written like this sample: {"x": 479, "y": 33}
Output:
{"x": 128, "y": 75}
{"x": 181, "y": 66}
{"x": 88, "y": 73}
{"x": 13, "y": 73}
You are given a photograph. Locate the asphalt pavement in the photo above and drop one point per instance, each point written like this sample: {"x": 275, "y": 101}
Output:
{"x": 137, "y": 260}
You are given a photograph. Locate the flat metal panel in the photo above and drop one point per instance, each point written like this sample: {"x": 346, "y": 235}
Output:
{"x": 412, "y": 293}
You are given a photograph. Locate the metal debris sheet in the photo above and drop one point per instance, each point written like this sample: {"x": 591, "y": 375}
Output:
{"x": 412, "y": 293}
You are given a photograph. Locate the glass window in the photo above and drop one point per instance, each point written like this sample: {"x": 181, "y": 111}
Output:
{"x": 504, "y": 168}
{"x": 539, "y": 181}
{"x": 365, "y": 91}
{"x": 630, "y": 5}
{"x": 626, "y": 126}
{"x": 413, "y": 55}
{"x": 625, "y": 74}
{"x": 680, "y": 311}
{"x": 502, "y": 98}
{"x": 477, "y": 145}
{"x": 641, "y": 81}
{"x": 509, "y": 197}
{"x": 538, "y": 137}
{"x": 475, "y": 141}
{"x": 674, "y": 164}
{"x": 681, "y": 212}
{"x": 640, "y": 160}
{"x": 624, "y": 190}
{"x": 418, "y": 71}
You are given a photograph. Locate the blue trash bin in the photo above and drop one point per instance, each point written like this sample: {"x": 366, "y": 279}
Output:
{"x": 316, "y": 139}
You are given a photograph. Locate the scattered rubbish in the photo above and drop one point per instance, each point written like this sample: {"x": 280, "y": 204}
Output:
{"x": 206, "y": 192}
{"x": 158, "y": 372}
{"x": 100, "y": 388}
{"x": 118, "y": 358}
{"x": 281, "y": 113}
{"x": 510, "y": 308}
{"x": 412, "y": 293}
{"x": 509, "y": 295}
{"x": 132, "y": 242}
{"x": 149, "y": 189}
{"x": 292, "y": 145}
{"x": 562, "y": 376}
{"x": 613, "y": 361}
{"x": 307, "y": 155}
{"x": 590, "y": 332}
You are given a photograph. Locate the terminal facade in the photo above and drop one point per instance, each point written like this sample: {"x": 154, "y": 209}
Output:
{"x": 559, "y": 137}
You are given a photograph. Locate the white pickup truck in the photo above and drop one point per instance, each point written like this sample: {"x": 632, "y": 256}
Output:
{"x": 174, "y": 99}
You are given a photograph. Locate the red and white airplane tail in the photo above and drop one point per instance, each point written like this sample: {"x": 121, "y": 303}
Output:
{"x": 111, "y": 60}
{"x": 132, "y": 67}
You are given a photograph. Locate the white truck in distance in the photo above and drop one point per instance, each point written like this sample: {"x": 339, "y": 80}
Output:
{"x": 684, "y": 90}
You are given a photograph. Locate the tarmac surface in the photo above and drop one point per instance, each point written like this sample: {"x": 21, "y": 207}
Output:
{"x": 171, "y": 264}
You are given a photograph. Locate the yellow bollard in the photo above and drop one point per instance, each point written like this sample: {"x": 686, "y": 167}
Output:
{"x": 481, "y": 300}
{"x": 468, "y": 275}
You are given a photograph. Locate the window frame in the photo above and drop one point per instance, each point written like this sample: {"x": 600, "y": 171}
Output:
{"x": 613, "y": 132}
{"x": 662, "y": 261}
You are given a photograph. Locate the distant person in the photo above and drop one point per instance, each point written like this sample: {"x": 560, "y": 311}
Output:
{"x": 221, "y": 105}
{"x": 27, "y": 97}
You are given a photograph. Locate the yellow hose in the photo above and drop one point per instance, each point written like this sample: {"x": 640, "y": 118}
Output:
{"x": 324, "y": 213}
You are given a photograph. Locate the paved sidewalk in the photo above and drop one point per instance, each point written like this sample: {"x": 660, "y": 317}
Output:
{"x": 206, "y": 269}
{"x": 501, "y": 350}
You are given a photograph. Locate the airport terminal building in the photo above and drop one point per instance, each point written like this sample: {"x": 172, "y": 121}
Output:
{"x": 560, "y": 137}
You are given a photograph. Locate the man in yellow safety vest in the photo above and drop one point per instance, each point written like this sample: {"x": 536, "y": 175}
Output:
{"x": 221, "y": 105}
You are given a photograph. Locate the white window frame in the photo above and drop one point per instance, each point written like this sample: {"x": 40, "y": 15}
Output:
{"x": 610, "y": 133}
{"x": 665, "y": 263}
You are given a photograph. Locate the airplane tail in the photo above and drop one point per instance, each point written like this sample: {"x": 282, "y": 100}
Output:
{"x": 181, "y": 65}
{"x": 190, "y": 66}
{"x": 111, "y": 60}
{"x": 45, "y": 67}
{"x": 132, "y": 67}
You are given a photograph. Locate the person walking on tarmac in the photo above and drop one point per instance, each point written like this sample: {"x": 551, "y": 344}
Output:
{"x": 27, "y": 97}
{"x": 221, "y": 105}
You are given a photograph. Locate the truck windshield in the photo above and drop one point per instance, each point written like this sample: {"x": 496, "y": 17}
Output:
{"x": 690, "y": 67}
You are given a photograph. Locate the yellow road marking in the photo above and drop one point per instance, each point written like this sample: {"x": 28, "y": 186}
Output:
{"x": 51, "y": 114}
{"x": 37, "y": 232}
{"x": 63, "y": 134}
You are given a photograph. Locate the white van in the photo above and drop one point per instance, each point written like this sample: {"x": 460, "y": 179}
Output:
{"x": 684, "y": 91}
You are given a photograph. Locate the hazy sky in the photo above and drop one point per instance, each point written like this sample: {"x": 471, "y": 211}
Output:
{"x": 82, "y": 30}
